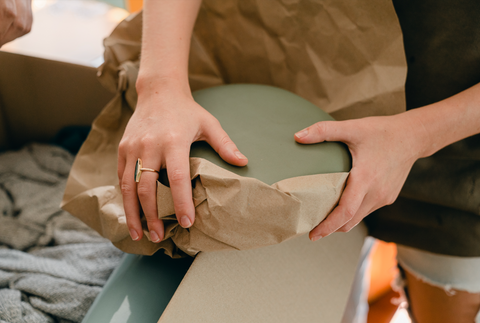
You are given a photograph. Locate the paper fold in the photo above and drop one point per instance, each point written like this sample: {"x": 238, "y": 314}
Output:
{"x": 235, "y": 212}
{"x": 232, "y": 212}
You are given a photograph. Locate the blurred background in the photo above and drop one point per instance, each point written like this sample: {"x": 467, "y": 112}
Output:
{"x": 72, "y": 30}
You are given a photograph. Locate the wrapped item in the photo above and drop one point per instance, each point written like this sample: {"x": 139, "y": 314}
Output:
{"x": 346, "y": 58}
{"x": 278, "y": 196}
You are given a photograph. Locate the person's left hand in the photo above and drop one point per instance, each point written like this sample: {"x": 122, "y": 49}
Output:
{"x": 15, "y": 19}
{"x": 383, "y": 151}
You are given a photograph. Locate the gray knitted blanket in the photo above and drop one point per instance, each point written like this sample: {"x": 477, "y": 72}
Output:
{"x": 52, "y": 266}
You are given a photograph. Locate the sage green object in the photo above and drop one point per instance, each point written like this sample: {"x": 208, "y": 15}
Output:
{"x": 139, "y": 289}
{"x": 261, "y": 120}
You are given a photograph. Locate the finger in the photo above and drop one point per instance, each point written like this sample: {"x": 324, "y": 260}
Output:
{"x": 8, "y": 13}
{"x": 22, "y": 22}
{"x": 130, "y": 201}
{"x": 348, "y": 206}
{"x": 5, "y": 27}
{"x": 364, "y": 210}
{"x": 178, "y": 172}
{"x": 17, "y": 29}
{"x": 121, "y": 161}
{"x": 224, "y": 146}
{"x": 369, "y": 205}
{"x": 27, "y": 16}
{"x": 11, "y": 34}
{"x": 324, "y": 131}
{"x": 147, "y": 194}
{"x": 353, "y": 222}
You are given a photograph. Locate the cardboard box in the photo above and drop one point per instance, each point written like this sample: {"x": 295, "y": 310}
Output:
{"x": 295, "y": 281}
{"x": 38, "y": 97}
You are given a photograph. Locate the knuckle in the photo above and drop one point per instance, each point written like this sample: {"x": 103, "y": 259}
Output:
{"x": 172, "y": 138}
{"x": 348, "y": 227}
{"x": 19, "y": 26}
{"x": 349, "y": 213}
{"x": 143, "y": 191}
{"x": 177, "y": 176}
{"x": 123, "y": 147}
{"x": 9, "y": 12}
{"x": 320, "y": 127}
{"x": 225, "y": 141}
{"x": 28, "y": 25}
{"x": 126, "y": 189}
{"x": 151, "y": 216}
{"x": 147, "y": 141}
{"x": 328, "y": 227}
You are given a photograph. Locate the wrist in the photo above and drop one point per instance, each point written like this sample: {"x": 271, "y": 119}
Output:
{"x": 148, "y": 84}
{"x": 423, "y": 131}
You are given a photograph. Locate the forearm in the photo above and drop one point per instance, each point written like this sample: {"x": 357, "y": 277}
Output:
{"x": 447, "y": 121}
{"x": 167, "y": 29}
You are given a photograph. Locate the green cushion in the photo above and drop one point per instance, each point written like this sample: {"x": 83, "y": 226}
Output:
{"x": 262, "y": 120}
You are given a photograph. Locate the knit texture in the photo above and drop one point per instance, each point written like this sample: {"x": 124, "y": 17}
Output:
{"x": 52, "y": 266}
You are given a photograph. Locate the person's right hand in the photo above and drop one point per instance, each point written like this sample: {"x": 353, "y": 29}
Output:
{"x": 160, "y": 132}
{"x": 15, "y": 19}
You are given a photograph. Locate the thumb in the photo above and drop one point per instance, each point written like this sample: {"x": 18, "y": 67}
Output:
{"x": 323, "y": 131}
{"x": 224, "y": 146}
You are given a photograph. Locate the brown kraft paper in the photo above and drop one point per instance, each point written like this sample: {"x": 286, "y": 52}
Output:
{"x": 346, "y": 57}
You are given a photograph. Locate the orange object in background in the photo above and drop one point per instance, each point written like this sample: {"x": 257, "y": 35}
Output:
{"x": 134, "y": 5}
{"x": 383, "y": 269}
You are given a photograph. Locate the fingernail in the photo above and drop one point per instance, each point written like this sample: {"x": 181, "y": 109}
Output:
{"x": 154, "y": 236}
{"x": 302, "y": 133}
{"x": 134, "y": 234}
{"x": 315, "y": 238}
{"x": 240, "y": 155}
{"x": 185, "y": 221}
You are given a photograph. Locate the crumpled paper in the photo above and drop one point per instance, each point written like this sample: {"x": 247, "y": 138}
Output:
{"x": 235, "y": 212}
{"x": 232, "y": 212}
{"x": 361, "y": 74}
{"x": 346, "y": 57}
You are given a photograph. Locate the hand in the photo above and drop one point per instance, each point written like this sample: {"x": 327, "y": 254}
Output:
{"x": 160, "y": 132}
{"x": 383, "y": 150}
{"x": 15, "y": 19}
